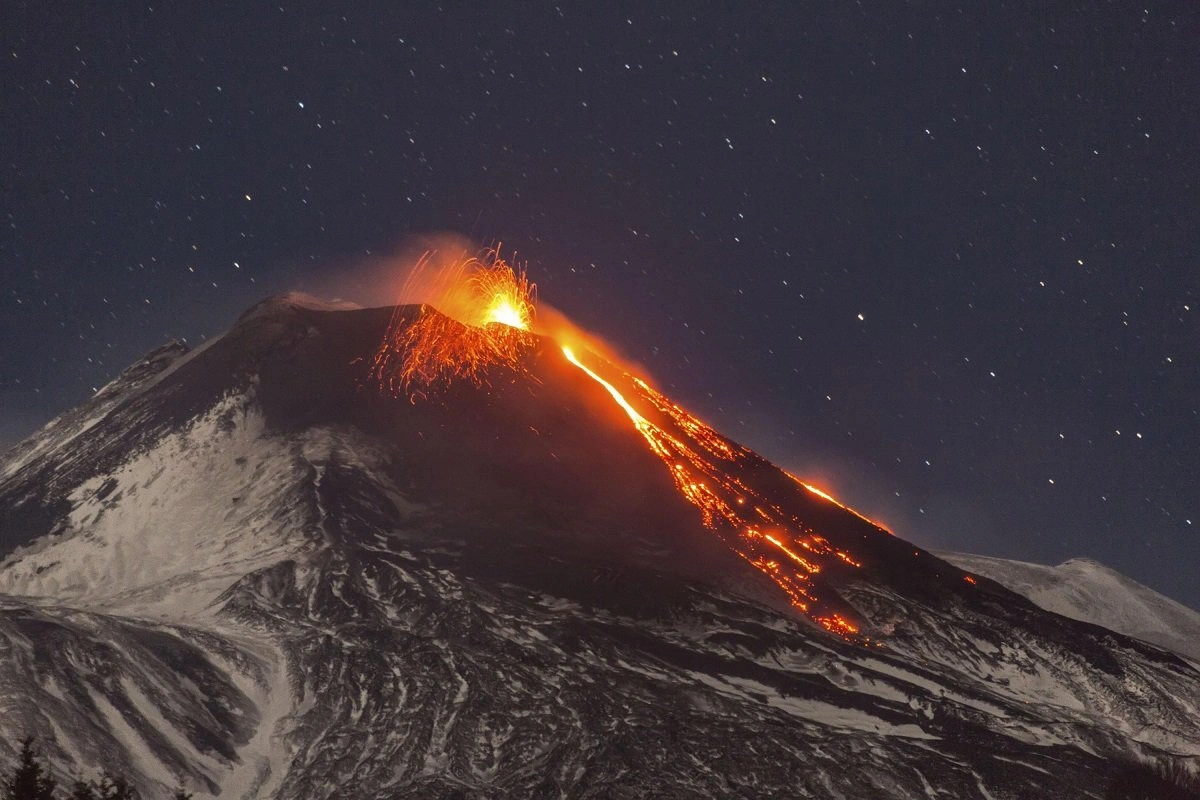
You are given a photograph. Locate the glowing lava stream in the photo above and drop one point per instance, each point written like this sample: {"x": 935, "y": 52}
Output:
{"x": 700, "y": 482}
{"x": 833, "y": 500}
{"x": 638, "y": 420}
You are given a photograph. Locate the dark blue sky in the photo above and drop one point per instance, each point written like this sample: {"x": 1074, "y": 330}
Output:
{"x": 942, "y": 259}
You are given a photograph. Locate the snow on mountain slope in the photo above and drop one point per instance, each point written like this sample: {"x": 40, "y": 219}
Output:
{"x": 159, "y": 703}
{"x": 175, "y": 524}
{"x": 1089, "y": 591}
{"x": 74, "y": 425}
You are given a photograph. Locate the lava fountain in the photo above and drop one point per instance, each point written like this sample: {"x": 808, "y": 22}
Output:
{"x": 476, "y": 314}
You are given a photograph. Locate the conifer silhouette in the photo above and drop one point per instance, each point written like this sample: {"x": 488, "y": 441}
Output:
{"x": 114, "y": 787}
{"x": 82, "y": 791}
{"x": 29, "y": 780}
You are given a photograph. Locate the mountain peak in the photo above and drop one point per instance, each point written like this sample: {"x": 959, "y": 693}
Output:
{"x": 1084, "y": 589}
{"x": 1086, "y": 564}
{"x": 151, "y": 364}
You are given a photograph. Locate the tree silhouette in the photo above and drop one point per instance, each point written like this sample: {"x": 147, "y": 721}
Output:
{"x": 82, "y": 791}
{"x": 114, "y": 787}
{"x": 109, "y": 787}
{"x": 30, "y": 780}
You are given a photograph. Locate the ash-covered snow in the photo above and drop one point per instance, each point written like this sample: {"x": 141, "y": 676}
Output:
{"x": 158, "y": 703}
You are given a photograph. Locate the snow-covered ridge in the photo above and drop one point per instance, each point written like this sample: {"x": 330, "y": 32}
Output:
{"x": 1087, "y": 590}
{"x": 74, "y": 424}
{"x": 160, "y": 704}
{"x": 174, "y": 524}
{"x": 151, "y": 364}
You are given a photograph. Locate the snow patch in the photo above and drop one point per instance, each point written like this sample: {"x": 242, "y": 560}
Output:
{"x": 265, "y": 759}
{"x": 1088, "y": 591}
{"x": 170, "y": 529}
{"x": 811, "y": 710}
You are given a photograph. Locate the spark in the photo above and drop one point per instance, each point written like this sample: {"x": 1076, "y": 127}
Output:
{"x": 482, "y": 321}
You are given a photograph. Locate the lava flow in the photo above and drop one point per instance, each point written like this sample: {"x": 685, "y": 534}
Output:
{"x": 777, "y": 543}
{"x": 487, "y": 322}
{"x": 476, "y": 314}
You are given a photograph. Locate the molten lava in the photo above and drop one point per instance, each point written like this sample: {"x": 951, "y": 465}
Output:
{"x": 476, "y": 315}
{"x": 760, "y": 531}
{"x": 484, "y": 319}
{"x": 827, "y": 497}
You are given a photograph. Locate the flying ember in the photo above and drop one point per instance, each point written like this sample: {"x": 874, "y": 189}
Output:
{"x": 476, "y": 314}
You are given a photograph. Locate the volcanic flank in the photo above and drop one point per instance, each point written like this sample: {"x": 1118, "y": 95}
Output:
{"x": 450, "y": 552}
{"x": 425, "y": 352}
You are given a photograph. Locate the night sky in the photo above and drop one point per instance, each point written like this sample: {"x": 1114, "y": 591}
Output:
{"x": 941, "y": 260}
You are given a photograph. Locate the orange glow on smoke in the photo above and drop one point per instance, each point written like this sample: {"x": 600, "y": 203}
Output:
{"x": 475, "y": 314}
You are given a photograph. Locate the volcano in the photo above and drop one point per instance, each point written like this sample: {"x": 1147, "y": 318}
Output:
{"x": 272, "y": 567}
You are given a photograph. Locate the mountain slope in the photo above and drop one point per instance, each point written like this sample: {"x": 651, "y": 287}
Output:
{"x": 507, "y": 591}
{"x": 160, "y": 703}
{"x": 1087, "y": 590}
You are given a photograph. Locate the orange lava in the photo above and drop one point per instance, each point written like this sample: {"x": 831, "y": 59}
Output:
{"x": 761, "y": 532}
{"x": 477, "y": 315}
{"x": 826, "y": 496}
{"x": 839, "y": 625}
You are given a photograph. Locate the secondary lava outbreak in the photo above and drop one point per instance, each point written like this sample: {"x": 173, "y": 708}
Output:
{"x": 478, "y": 315}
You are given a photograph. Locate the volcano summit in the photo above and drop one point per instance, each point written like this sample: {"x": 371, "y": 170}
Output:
{"x": 290, "y": 564}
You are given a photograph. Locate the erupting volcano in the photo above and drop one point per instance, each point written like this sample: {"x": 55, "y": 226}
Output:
{"x": 460, "y": 549}
{"x": 478, "y": 317}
